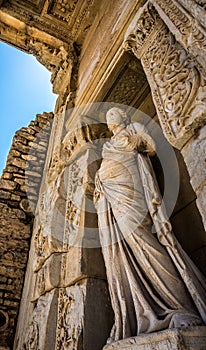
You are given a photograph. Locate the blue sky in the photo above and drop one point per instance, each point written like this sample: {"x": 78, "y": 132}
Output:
{"x": 25, "y": 91}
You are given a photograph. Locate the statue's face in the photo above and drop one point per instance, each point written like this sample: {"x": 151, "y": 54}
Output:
{"x": 114, "y": 118}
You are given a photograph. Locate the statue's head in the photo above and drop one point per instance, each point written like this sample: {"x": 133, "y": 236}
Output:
{"x": 115, "y": 117}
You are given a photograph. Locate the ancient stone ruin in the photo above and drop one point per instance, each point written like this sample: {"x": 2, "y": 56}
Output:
{"x": 67, "y": 278}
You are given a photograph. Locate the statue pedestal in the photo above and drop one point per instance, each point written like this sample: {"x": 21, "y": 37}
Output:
{"x": 191, "y": 338}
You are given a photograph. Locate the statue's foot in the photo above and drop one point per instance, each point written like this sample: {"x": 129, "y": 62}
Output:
{"x": 184, "y": 319}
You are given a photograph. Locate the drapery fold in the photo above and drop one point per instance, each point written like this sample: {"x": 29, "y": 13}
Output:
{"x": 191, "y": 276}
{"x": 153, "y": 284}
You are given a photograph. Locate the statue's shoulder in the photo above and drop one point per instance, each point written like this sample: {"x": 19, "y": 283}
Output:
{"x": 137, "y": 128}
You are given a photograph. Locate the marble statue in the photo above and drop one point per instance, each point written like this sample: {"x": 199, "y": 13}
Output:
{"x": 153, "y": 284}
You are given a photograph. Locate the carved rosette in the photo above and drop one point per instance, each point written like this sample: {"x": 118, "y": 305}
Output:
{"x": 177, "y": 86}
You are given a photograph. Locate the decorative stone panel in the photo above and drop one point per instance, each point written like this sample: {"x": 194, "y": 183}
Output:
{"x": 186, "y": 29}
{"x": 177, "y": 86}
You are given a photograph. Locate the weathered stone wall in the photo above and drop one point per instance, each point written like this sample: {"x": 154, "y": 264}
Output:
{"x": 19, "y": 187}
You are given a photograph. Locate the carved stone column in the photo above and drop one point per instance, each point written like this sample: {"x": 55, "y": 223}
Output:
{"x": 66, "y": 280}
{"x": 171, "y": 46}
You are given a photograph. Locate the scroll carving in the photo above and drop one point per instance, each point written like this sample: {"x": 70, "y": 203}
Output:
{"x": 197, "y": 9}
{"x": 177, "y": 86}
{"x": 186, "y": 30}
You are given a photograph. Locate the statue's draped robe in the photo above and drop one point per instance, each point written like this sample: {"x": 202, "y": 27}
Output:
{"x": 151, "y": 279}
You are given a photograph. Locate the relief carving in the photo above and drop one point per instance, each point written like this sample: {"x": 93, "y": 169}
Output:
{"x": 13, "y": 36}
{"x": 51, "y": 57}
{"x": 80, "y": 154}
{"x": 195, "y": 10}
{"x": 75, "y": 211}
{"x": 50, "y": 221}
{"x": 63, "y": 10}
{"x": 190, "y": 35}
{"x": 70, "y": 318}
{"x": 177, "y": 86}
{"x": 148, "y": 22}
{"x": 75, "y": 193}
{"x": 37, "y": 332}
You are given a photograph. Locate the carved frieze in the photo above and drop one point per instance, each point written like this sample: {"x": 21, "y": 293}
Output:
{"x": 184, "y": 27}
{"x": 141, "y": 30}
{"x": 80, "y": 191}
{"x": 63, "y": 9}
{"x": 57, "y": 56}
{"x": 75, "y": 193}
{"x": 64, "y": 19}
{"x": 177, "y": 86}
{"x": 33, "y": 18}
{"x": 13, "y": 36}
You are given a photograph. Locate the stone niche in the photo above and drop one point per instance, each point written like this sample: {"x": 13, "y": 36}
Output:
{"x": 130, "y": 87}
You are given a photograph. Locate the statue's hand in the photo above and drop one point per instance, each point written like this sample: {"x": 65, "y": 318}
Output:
{"x": 144, "y": 142}
{"x": 137, "y": 142}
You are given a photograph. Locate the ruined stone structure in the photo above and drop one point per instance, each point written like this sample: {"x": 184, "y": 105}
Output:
{"x": 145, "y": 55}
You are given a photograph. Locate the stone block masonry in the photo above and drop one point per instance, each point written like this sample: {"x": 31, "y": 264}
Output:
{"x": 19, "y": 188}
